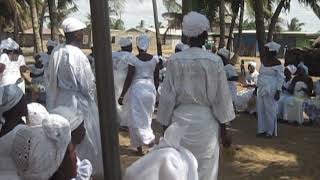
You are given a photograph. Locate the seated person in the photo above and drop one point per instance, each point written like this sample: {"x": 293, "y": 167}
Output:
{"x": 301, "y": 89}
{"x": 245, "y": 101}
{"x": 38, "y": 80}
{"x": 312, "y": 107}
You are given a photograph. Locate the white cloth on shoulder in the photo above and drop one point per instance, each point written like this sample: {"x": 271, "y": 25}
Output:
{"x": 84, "y": 170}
{"x": 37, "y": 113}
{"x": 167, "y": 161}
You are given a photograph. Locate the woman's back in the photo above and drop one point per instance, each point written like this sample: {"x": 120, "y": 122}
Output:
{"x": 144, "y": 69}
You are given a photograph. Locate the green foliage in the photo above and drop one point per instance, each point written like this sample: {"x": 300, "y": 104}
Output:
{"x": 295, "y": 25}
{"x": 117, "y": 24}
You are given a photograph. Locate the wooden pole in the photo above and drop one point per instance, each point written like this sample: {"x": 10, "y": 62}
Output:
{"x": 105, "y": 89}
{"x": 156, "y": 22}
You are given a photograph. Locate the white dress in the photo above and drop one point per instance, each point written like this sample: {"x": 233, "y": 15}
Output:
{"x": 120, "y": 69}
{"x": 141, "y": 102}
{"x": 285, "y": 96}
{"x": 195, "y": 93}
{"x": 12, "y": 71}
{"x": 244, "y": 96}
{"x": 231, "y": 72}
{"x": 293, "y": 106}
{"x": 271, "y": 80}
{"x": 8, "y": 170}
{"x": 72, "y": 84}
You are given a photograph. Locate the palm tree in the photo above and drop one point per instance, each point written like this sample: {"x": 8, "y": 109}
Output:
{"x": 222, "y": 23}
{"x": 295, "y": 25}
{"x": 237, "y": 47}
{"x": 35, "y": 26}
{"x": 259, "y": 16}
{"x": 235, "y": 5}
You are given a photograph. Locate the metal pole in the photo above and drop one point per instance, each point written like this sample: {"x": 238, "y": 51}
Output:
{"x": 156, "y": 22}
{"x": 105, "y": 89}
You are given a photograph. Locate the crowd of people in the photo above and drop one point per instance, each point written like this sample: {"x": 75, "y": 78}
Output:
{"x": 56, "y": 135}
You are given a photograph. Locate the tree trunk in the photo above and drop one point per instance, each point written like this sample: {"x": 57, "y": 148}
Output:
{"x": 274, "y": 20}
{"x": 222, "y": 24}
{"x": 164, "y": 39}
{"x": 239, "y": 38}
{"x": 53, "y": 19}
{"x": 16, "y": 27}
{"x": 35, "y": 27}
{"x": 233, "y": 22}
{"x": 43, "y": 11}
{"x": 261, "y": 36}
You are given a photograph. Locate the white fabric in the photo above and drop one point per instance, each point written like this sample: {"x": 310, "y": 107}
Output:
{"x": 72, "y": 84}
{"x": 195, "y": 93}
{"x": 271, "y": 80}
{"x": 39, "y": 151}
{"x": 182, "y": 46}
{"x": 39, "y": 81}
{"x": 225, "y": 53}
{"x": 36, "y": 114}
{"x": 168, "y": 160}
{"x": 74, "y": 117}
{"x": 120, "y": 69}
{"x": 8, "y": 169}
{"x": 143, "y": 42}
{"x": 273, "y": 46}
{"x": 253, "y": 63}
{"x": 285, "y": 96}
{"x": 231, "y": 72}
{"x": 9, "y": 44}
{"x": 292, "y": 69}
{"x": 141, "y": 102}
{"x": 52, "y": 43}
{"x": 84, "y": 170}
{"x": 71, "y": 24}
{"x": 12, "y": 71}
{"x": 306, "y": 69}
{"x": 125, "y": 41}
{"x": 194, "y": 24}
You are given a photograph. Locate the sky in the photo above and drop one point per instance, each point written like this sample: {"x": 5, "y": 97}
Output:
{"x": 135, "y": 11}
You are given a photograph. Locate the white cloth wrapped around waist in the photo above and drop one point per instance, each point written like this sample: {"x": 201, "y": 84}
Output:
{"x": 298, "y": 89}
{"x": 202, "y": 134}
{"x": 267, "y": 85}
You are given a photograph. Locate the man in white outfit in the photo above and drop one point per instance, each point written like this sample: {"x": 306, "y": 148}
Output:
{"x": 195, "y": 94}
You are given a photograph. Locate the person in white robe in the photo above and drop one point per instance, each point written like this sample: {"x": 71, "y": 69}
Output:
{"x": 195, "y": 94}
{"x": 246, "y": 101}
{"x": 289, "y": 72}
{"x": 121, "y": 61}
{"x": 12, "y": 109}
{"x": 72, "y": 84}
{"x": 312, "y": 106}
{"x": 14, "y": 63}
{"x": 230, "y": 70}
{"x": 269, "y": 85}
{"x": 167, "y": 160}
{"x": 300, "y": 90}
{"x": 141, "y": 84}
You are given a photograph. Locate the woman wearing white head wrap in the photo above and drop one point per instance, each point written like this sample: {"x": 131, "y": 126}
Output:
{"x": 245, "y": 100}
{"x": 125, "y": 42}
{"x": 142, "y": 80}
{"x": 72, "y": 84}
{"x": 12, "y": 108}
{"x": 167, "y": 161}
{"x": 270, "y": 82}
{"x": 195, "y": 94}
{"x": 14, "y": 62}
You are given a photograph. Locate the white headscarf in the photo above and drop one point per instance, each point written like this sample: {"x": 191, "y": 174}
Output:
{"x": 36, "y": 113}
{"x": 9, "y": 44}
{"x": 292, "y": 69}
{"x": 225, "y": 53}
{"x": 74, "y": 117}
{"x": 254, "y": 64}
{"x": 71, "y": 24}
{"x": 125, "y": 41}
{"x": 273, "y": 46}
{"x": 52, "y": 43}
{"x": 143, "y": 42}
{"x": 194, "y": 24}
{"x": 9, "y": 97}
{"x": 39, "y": 151}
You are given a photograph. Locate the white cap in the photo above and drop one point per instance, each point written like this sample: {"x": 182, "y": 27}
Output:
{"x": 39, "y": 151}
{"x": 225, "y": 53}
{"x": 52, "y": 43}
{"x": 74, "y": 117}
{"x": 194, "y": 24}
{"x": 125, "y": 41}
{"x": 273, "y": 46}
{"x": 143, "y": 42}
{"x": 252, "y": 63}
{"x": 37, "y": 113}
{"x": 72, "y": 24}
{"x": 9, "y": 44}
{"x": 292, "y": 68}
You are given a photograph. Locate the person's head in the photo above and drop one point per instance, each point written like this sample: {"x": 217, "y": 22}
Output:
{"x": 143, "y": 43}
{"x": 51, "y": 45}
{"x": 252, "y": 67}
{"x": 225, "y": 55}
{"x": 300, "y": 71}
{"x": 289, "y": 71}
{"x": 126, "y": 44}
{"x": 272, "y": 49}
{"x": 43, "y": 152}
{"x": 195, "y": 26}
{"x": 11, "y": 48}
{"x": 242, "y": 61}
{"x": 73, "y": 30}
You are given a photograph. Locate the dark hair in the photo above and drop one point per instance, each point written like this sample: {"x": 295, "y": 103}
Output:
{"x": 70, "y": 36}
{"x": 199, "y": 40}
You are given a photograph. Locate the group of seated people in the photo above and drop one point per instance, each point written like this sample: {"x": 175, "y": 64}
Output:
{"x": 299, "y": 99}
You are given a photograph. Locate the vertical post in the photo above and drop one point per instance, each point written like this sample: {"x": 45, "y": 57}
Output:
{"x": 105, "y": 89}
{"x": 156, "y": 22}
